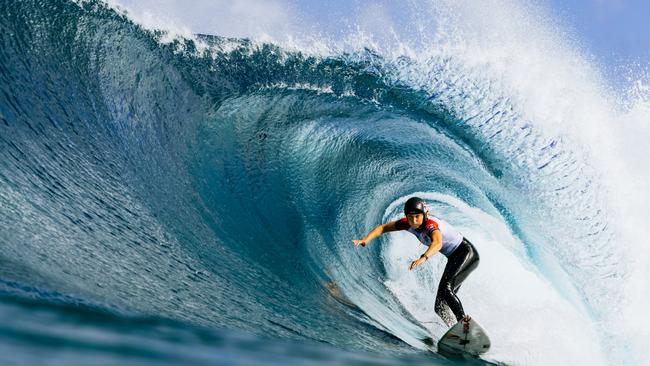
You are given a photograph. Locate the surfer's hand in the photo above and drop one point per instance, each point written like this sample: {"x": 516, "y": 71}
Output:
{"x": 359, "y": 242}
{"x": 416, "y": 263}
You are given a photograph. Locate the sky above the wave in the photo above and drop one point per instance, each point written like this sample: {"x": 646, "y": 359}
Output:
{"x": 616, "y": 32}
{"x": 613, "y": 33}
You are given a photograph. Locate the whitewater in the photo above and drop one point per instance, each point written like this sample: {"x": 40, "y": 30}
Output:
{"x": 168, "y": 196}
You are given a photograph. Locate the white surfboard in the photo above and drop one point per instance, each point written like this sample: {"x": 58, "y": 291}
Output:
{"x": 466, "y": 337}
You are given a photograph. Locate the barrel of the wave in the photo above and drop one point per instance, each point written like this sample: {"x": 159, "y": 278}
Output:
{"x": 465, "y": 337}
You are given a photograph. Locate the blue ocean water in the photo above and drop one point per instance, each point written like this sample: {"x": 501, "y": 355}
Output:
{"x": 193, "y": 201}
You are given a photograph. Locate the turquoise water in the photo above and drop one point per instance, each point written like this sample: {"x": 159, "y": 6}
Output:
{"x": 193, "y": 201}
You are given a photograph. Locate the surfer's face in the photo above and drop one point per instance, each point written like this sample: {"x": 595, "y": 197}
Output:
{"x": 415, "y": 220}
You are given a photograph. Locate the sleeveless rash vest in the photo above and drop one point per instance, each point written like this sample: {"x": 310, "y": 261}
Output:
{"x": 451, "y": 238}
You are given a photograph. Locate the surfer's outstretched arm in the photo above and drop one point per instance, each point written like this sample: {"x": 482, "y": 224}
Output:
{"x": 375, "y": 233}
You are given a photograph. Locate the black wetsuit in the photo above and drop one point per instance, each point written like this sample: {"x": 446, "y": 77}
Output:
{"x": 460, "y": 264}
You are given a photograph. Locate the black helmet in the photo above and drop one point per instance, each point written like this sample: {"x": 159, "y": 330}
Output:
{"x": 415, "y": 205}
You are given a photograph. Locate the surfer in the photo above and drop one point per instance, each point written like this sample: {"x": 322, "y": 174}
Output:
{"x": 439, "y": 236}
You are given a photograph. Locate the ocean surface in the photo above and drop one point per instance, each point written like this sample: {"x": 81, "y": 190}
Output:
{"x": 171, "y": 200}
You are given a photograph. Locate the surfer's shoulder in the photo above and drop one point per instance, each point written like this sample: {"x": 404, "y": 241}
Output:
{"x": 432, "y": 225}
{"x": 402, "y": 224}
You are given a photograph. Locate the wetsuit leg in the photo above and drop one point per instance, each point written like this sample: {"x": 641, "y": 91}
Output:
{"x": 467, "y": 268}
{"x": 459, "y": 265}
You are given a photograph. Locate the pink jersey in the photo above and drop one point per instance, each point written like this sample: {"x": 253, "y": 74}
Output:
{"x": 451, "y": 238}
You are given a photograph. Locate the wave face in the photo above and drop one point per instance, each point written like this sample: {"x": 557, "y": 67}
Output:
{"x": 218, "y": 183}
